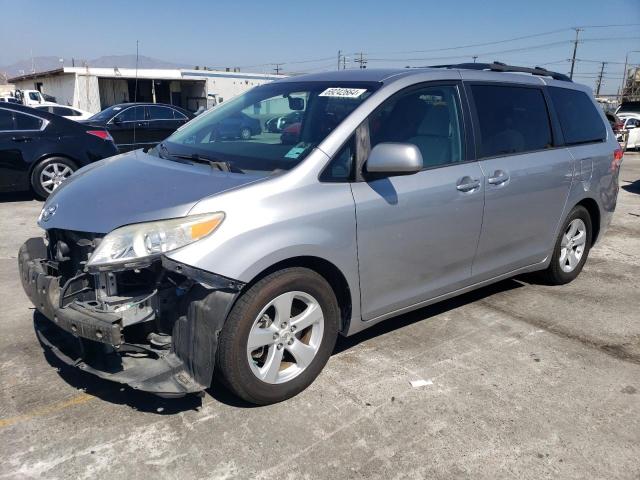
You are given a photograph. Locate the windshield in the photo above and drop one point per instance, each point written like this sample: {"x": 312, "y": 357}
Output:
{"x": 107, "y": 113}
{"x": 271, "y": 127}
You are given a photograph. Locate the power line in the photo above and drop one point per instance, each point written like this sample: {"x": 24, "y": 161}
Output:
{"x": 482, "y": 54}
{"x": 473, "y": 45}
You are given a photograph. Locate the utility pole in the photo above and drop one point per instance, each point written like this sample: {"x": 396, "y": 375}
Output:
{"x": 361, "y": 60}
{"x": 475, "y": 57}
{"x": 277, "y": 68}
{"x": 344, "y": 62}
{"x": 600, "y": 79}
{"x": 339, "y": 58}
{"x": 625, "y": 73}
{"x": 575, "y": 49}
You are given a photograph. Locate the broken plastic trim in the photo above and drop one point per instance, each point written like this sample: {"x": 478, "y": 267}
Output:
{"x": 208, "y": 279}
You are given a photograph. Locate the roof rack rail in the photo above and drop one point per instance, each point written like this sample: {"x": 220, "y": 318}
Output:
{"x": 503, "y": 67}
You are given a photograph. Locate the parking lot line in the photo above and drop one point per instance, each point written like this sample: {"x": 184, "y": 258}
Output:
{"x": 47, "y": 409}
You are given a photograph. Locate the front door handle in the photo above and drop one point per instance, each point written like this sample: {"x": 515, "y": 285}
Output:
{"x": 21, "y": 139}
{"x": 468, "y": 184}
{"x": 499, "y": 177}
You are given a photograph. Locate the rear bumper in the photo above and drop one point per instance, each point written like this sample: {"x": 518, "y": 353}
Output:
{"x": 94, "y": 341}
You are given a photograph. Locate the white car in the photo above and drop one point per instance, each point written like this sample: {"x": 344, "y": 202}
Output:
{"x": 71, "y": 113}
{"x": 632, "y": 125}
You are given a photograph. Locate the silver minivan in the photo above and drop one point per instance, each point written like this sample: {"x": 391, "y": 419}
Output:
{"x": 244, "y": 258}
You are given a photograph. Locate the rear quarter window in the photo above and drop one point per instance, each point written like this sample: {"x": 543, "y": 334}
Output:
{"x": 579, "y": 118}
{"x": 27, "y": 122}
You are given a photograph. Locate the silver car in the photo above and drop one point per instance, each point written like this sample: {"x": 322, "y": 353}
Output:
{"x": 245, "y": 258}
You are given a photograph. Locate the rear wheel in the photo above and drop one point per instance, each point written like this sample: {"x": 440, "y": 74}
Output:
{"x": 49, "y": 175}
{"x": 571, "y": 249}
{"x": 278, "y": 336}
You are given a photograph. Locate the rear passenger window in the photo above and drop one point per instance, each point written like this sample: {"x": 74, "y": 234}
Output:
{"x": 160, "y": 113}
{"x": 27, "y": 122}
{"x": 512, "y": 119}
{"x": 429, "y": 118}
{"x": 177, "y": 115}
{"x": 579, "y": 118}
{"x": 6, "y": 120}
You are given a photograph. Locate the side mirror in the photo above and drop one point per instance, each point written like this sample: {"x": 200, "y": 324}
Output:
{"x": 394, "y": 159}
{"x": 117, "y": 120}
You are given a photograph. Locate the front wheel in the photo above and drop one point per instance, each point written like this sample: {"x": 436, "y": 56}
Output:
{"x": 571, "y": 249}
{"x": 279, "y": 336}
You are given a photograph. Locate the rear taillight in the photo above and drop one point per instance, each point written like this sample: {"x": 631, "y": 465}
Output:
{"x": 618, "y": 126}
{"x": 617, "y": 159}
{"x": 103, "y": 134}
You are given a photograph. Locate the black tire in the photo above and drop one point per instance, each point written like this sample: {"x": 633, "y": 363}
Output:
{"x": 232, "y": 364}
{"x": 36, "y": 184}
{"x": 245, "y": 133}
{"x": 554, "y": 275}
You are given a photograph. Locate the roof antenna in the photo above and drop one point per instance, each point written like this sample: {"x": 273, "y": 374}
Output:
{"x": 135, "y": 96}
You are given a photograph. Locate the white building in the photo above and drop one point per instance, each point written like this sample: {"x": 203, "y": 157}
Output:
{"x": 93, "y": 89}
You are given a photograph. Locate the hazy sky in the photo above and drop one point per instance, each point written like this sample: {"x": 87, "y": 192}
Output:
{"x": 251, "y": 33}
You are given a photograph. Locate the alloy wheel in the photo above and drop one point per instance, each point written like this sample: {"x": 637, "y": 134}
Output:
{"x": 53, "y": 175}
{"x": 285, "y": 337}
{"x": 572, "y": 245}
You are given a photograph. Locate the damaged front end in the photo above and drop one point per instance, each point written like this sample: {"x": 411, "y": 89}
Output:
{"x": 152, "y": 325}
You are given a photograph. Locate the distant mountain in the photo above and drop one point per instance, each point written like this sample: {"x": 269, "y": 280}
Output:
{"x": 42, "y": 64}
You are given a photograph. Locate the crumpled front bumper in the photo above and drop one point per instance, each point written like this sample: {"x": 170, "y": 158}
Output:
{"x": 94, "y": 342}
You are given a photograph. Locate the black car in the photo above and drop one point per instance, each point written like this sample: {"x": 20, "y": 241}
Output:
{"x": 139, "y": 125}
{"x": 38, "y": 150}
{"x": 238, "y": 125}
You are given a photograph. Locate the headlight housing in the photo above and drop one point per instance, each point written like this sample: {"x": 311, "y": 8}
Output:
{"x": 141, "y": 241}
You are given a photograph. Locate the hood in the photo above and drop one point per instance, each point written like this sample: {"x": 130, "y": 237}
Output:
{"x": 131, "y": 188}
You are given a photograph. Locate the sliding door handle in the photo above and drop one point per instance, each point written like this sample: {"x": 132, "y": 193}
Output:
{"x": 499, "y": 177}
{"x": 468, "y": 184}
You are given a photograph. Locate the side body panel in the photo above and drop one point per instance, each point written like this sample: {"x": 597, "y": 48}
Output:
{"x": 521, "y": 215}
{"x": 417, "y": 236}
{"x": 525, "y": 196}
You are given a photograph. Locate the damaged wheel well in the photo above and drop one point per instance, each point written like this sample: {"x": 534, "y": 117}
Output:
{"x": 331, "y": 274}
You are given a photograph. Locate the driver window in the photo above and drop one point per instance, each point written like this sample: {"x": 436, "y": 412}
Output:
{"x": 428, "y": 117}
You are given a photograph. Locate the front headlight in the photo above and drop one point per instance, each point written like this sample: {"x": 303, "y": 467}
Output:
{"x": 146, "y": 240}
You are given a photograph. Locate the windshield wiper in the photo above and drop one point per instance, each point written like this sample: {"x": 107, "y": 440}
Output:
{"x": 196, "y": 157}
